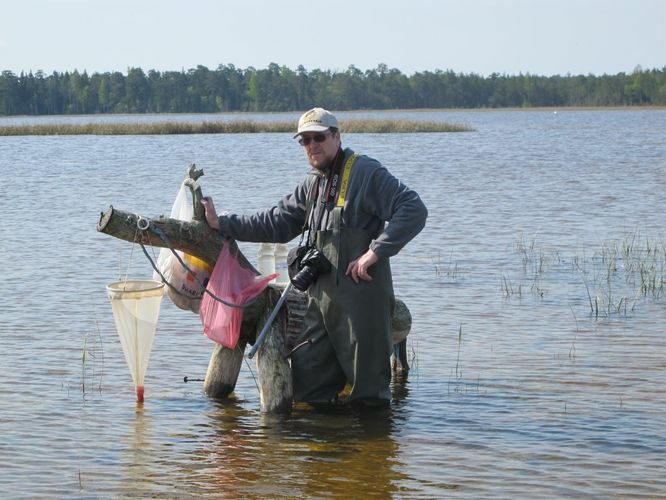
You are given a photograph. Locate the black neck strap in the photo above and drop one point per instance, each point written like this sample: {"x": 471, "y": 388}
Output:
{"x": 333, "y": 183}
{"x": 329, "y": 196}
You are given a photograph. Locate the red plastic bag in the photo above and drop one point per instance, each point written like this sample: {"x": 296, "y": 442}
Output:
{"x": 235, "y": 285}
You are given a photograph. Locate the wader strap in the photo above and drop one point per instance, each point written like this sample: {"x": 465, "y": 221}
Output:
{"x": 335, "y": 251}
{"x": 309, "y": 213}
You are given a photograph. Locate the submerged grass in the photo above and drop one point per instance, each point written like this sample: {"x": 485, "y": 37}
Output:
{"x": 615, "y": 277}
{"x": 225, "y": 127}
{"x": 92, "y": 361}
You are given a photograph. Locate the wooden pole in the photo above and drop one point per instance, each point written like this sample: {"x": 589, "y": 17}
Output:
{"x": 223, "y": 370}
{"x": 275, "y": 383}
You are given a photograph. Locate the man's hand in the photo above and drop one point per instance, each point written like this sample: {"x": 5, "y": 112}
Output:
{"x": 358, "y": 269}
{"x": 211, "y": 214}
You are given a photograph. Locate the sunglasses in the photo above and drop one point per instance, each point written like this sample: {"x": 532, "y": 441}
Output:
{"x": 318, "y": 138}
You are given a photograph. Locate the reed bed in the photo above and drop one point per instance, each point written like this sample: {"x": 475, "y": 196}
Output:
{"x": 616, "y": 276}
{"x": 224, "y": 127}
{"x": 400, "y": 126}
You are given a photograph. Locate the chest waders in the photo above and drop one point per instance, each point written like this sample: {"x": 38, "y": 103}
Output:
{"x": 347, "y": 324}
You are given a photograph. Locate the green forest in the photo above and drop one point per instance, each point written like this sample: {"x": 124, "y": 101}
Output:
{"x": 278, "y": 88}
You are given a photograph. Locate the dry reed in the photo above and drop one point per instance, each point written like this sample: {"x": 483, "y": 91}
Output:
{"x": 223, "y": 127}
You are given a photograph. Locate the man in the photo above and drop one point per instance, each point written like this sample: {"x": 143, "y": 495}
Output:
{"x": 340, "y": 209}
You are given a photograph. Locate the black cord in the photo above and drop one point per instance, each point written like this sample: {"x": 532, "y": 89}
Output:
{"x": 164, "y": 280}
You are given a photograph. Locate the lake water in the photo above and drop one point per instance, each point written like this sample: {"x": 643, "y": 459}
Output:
{"x": 538, "y": 343}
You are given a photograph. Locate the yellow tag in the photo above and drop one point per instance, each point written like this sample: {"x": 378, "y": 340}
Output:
{"x": 196, "y": 262}
{"x": 342, "y": 195}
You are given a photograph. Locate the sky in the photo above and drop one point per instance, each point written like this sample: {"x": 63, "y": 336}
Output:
{"x": 539, "y": 37}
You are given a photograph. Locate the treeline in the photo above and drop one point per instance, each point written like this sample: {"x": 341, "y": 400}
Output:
{"x": 278, "y": 88}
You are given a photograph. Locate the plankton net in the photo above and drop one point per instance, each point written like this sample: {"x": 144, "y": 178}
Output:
{"x": 136, "y": 307}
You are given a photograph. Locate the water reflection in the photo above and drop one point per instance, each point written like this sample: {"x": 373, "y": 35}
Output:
{"x": 138, "y": 462}
{"x": 309, "y": 453}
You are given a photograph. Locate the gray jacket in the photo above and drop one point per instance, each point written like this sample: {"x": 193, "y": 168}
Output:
{"x": 374, "y": 197}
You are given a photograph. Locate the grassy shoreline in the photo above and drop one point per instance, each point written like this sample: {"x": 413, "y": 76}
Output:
{"x": 226, "y": 127}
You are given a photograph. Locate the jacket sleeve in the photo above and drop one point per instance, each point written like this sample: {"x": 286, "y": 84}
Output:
{"x": 279, "y": 224}
{"x": 389, "y": 199}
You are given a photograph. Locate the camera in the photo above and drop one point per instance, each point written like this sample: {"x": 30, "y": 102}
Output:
{"x": 305, "y": 266}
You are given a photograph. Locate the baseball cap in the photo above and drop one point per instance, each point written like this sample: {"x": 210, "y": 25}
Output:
{"x": 316, "y": 120}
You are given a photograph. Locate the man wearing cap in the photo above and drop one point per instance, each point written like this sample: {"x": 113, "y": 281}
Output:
{"x": 340, "y": 209}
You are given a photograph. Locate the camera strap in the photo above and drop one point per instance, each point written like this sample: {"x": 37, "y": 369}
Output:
{"x": 342, "y": 194}
{"x": 333, "y": 180}
{"x": 335, "y": 194}
{"x": 318, "y": 202}
{"x": 338, "y": 182}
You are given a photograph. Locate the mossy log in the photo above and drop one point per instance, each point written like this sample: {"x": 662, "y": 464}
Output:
{"x": 195, "y": 238}
{"x": 198, "y": 239}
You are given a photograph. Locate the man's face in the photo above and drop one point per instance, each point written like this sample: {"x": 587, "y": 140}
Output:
{"x": 320, "y": 147}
